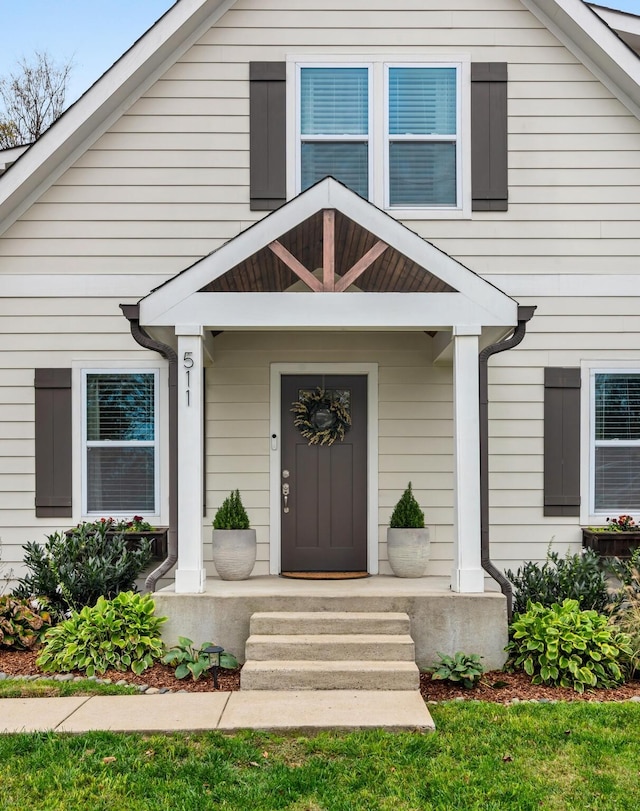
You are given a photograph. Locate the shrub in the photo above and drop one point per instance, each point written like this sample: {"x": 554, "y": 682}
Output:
{"x": 565, "y": 646}
{"x": 22, "y": 622}
{"x": 122, "y": 634}
{"x": 231, "y": 514}
{"x": 407, "y": 513}
{"x": 73, "y": 569}
{"x": 464, "y": 668}
{"x": 574, "y": 577}
{"x": 189, "y": 660}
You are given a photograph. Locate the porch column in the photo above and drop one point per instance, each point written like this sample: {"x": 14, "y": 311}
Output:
{"x": 190, "y": 575}
{"x": 467, "y": 576}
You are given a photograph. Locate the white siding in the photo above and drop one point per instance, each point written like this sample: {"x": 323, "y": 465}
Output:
{"x": 169, "y": 183}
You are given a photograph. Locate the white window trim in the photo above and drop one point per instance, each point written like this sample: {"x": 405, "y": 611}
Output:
{"x": 80, "y": 369}
{"x": 378, "y": 126}
{"x": 589, "y": 369}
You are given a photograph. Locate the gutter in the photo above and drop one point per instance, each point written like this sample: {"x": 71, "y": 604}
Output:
{"x": 525, "y": 314}
{"x": 132, "y": 314}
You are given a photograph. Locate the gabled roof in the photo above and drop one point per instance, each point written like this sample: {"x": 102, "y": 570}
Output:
{"x": 578, "y": 27}
{"x": 452, "y": 294}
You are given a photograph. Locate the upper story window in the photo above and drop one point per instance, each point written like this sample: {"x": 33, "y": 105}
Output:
{"x": 120, "y": 442}
{"x": 615, "y": 442}
{"x": 392, "y": 132}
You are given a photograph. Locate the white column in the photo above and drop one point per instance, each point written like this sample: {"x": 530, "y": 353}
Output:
{"x": 467, "y": 576}
{"x": 190, "y": 574}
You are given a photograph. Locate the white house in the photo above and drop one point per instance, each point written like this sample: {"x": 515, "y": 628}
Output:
{"x": 387, "y": 201}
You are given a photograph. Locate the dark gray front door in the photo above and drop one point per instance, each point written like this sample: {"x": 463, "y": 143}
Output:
{"x": 324, "y": 522}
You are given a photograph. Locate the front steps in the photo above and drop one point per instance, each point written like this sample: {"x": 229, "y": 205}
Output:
{"x": 330, "y": 650}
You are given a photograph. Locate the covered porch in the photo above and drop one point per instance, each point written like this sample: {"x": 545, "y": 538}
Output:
{"x": 327, "y": 285}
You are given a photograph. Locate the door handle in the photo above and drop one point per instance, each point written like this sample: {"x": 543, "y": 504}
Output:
{"x": 285, "y": 494}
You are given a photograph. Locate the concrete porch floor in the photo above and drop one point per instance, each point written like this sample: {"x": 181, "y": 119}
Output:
{"x": 441, "y": 620}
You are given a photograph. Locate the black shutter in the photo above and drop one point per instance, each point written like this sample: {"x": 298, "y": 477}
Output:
{"x": 267, "y": 126}
{"x": 53, "y": 442}
{"x": 562, "y": 441}
{"x": 489, "y": 181}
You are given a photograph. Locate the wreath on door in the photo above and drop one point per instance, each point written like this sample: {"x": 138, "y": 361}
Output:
{"x": 320, "y": 417}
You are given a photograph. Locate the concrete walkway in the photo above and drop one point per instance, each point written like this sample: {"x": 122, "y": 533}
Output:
{"x": 278, "y": 711}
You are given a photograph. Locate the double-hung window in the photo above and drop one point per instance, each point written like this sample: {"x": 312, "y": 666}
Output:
{"x": 394, "y": 132}
{"x": 120, "y": 442}
{"x": 615, "y": 442}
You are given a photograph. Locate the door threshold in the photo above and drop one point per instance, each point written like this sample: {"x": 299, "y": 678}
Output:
{"x": 325, "y": 575}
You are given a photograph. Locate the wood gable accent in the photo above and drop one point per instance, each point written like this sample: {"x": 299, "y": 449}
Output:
{"x": 328, "y": 252}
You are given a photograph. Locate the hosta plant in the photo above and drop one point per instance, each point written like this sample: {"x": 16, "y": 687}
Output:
{"x": 188, "y": 660}
{"x": 461, "y": 668}
{"x": 565, "y": 646}
{"x": 22, "y": 622}
{"x": 123, "y": 634}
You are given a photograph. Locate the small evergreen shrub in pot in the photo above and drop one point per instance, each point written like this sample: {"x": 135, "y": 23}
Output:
{"x": 562, "y": 645}
{"x": 408, "y": 538}
{"x": 234, "y": 542}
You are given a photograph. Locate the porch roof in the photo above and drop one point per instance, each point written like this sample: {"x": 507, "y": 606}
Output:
{"x": 271, "y": 276}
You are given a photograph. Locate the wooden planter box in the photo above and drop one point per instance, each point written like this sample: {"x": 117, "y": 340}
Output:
{"x": 158, "y": 538}
{"x": 611, "y": 544}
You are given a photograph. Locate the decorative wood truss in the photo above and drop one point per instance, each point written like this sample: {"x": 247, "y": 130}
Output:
{"x": 328, "y": 253}
{"x": 329, "y": 283}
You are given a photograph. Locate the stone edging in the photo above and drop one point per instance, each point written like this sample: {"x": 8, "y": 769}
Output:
{"x": 68, "y": 677}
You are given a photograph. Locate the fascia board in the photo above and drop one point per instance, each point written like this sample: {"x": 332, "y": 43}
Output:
{"x": 330, "y": 311}
{"x": 104, "y": 103}
{"x": 326, "y": 194}
{"x": 591, "y": 41}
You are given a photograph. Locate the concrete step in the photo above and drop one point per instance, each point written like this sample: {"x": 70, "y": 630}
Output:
{"x": 329, "y": 622}
{"x": 329, "y": 675}
{"x": 331, "y": 647}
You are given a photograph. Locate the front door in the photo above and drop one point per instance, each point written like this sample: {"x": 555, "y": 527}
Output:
{"x": 323, "y": 487}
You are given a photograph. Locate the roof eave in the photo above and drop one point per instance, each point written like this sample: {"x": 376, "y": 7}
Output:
{"x": 591, "y": 41}
{"x": 112, "y": 95}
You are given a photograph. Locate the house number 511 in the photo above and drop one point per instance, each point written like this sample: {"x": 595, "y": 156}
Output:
{"x": 187, "y": 362}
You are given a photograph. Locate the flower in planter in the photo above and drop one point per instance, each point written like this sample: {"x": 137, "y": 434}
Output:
{"x": 623, "y": 523}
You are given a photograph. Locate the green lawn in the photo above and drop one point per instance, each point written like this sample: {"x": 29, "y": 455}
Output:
{"x": 570, "y": 757}
{"x": 49, "y": 688}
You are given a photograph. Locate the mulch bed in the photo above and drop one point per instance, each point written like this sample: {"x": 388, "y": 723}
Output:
{"x": 495, "y": 686}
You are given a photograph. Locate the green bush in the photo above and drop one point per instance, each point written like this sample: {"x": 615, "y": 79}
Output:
{"x": 574, "y": 577}
{"x": 407, "y": 513}
{"x": 565, "y": 646}
{"x": 122, "y": 634}
{"x": 461, "y": 668}
{"x": 188, "y": 660}
{"x": 22, "y": 622}
{"x": 231, "y": 514}
{"x": 73, "y": 569}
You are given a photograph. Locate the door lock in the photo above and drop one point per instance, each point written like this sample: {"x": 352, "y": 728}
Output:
{"x": 285, "y": 494}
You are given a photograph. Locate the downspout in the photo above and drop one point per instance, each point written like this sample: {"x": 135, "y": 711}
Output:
{"x": 132, "y": 313}
{"x": 524, "y": 315}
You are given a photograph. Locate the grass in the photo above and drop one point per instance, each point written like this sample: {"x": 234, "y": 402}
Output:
{"x": 49, "y": 688}
{"x": 483, "y": 757}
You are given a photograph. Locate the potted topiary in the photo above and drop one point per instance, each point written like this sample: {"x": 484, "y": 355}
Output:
{"x": 234, "y": 543}
{"x": 408, "y": 538}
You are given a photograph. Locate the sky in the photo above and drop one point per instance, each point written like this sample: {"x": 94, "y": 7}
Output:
{"x": 95, "y": 33}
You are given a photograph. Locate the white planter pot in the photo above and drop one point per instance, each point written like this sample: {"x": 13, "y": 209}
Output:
{"x": 234, "y": 552}
{"x": 408, "y": 551}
